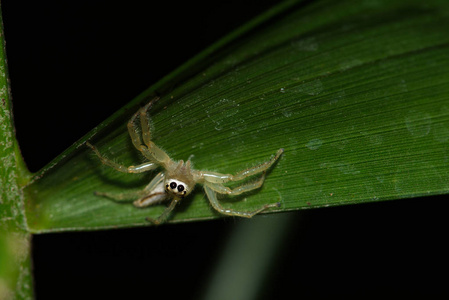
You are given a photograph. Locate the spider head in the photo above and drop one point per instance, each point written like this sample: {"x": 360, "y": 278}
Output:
{"x": 177, "y": 188}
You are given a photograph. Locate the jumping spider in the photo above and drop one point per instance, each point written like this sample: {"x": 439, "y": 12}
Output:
{"x": 178, "y": 179}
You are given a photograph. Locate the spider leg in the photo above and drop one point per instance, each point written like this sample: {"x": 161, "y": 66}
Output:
{"x": 164, "y": 216}
{"x": 214, "y": 177}
{"x": 151, "y": 151}
{"x": 131, "y": 169}
{"x": 230, "y": 212}
{"x": 221, "y": 189}
{"x": 154, "y": 182}
{"x": 131, "y": 196}
{"x": 133, "y": 132}
{"x": 153, "y": 193}
{"x": 145, "y": 122}
{"x": 121, "y": 197}
{"x": 156, "y": 153}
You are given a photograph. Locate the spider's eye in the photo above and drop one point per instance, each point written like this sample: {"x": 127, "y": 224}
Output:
{"x": 180, "y": 188}
{"x": 173, "y": 185}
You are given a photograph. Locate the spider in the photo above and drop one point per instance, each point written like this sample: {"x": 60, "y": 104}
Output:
{"x": 177, "y": 179}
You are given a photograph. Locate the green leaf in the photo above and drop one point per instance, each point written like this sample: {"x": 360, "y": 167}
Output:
{"x": 355, "y": 92}
{"x": 15, "y": 262}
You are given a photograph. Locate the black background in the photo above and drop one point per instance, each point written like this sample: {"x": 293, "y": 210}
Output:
{"x": 74, "y": 63}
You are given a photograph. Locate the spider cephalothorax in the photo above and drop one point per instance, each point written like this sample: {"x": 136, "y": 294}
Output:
{"x": 177, "y": 179}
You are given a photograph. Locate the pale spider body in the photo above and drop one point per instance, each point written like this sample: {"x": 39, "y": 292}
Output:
{"x": 178, "y": 178}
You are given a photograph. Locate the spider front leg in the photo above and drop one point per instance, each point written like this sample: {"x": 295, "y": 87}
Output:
{"x": 151, "y": 194}
{"x": 164, "y": 216}
{"x": 214, "y": 177}
{"x": 133, "y": 133}
{"x": 121, "y": 197}
{"x": 148, "y": 148}
{"x": 131, "y": 169}
{"x": 145, "y": 122}
{"x": 154, "y": 192}
{"x": 230, "y": 212}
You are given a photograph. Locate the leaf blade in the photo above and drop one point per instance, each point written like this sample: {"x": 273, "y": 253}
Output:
{"x": 15, "y": 258}
{"x": 361, "y": 118}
